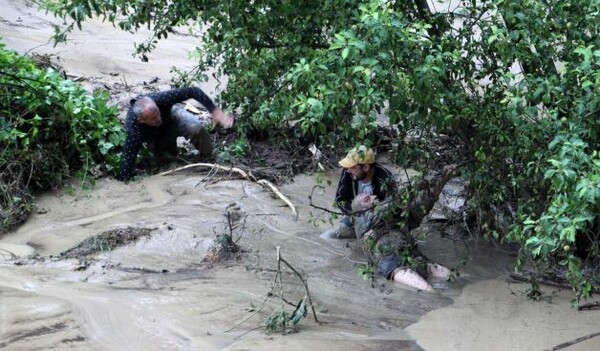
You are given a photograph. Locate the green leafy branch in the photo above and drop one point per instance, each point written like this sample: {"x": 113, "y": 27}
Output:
{"x": 281, "y": 320}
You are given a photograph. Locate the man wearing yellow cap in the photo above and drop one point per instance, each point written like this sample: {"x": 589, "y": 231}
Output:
{"x": 361, "y": 175}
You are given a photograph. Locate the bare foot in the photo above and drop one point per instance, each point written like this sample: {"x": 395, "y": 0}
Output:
{"x": 411, "y": 278}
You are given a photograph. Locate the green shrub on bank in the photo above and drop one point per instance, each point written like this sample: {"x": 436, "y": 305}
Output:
{"x": 50, "y": 130}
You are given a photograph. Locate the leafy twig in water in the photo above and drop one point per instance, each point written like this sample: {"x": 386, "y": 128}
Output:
{"x": 280, "y": 318}
{"x": 303, "y": 280}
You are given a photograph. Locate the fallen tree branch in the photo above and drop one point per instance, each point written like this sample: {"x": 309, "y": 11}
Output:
{"x": 302, "y": 279}
{"x": 208, "y": 165}
{"x": 270, "y": 185}
{"x": 255, "y": 312}
{"x": 278, "y": 283}
{"x": 589, "y": 306}
{"x": 573, "y": 342}
{"x": 310, "y": 198}
{"x": 245, "y": 175}
{"x": 523, "y": 278}
{"x": 338, "y": 213}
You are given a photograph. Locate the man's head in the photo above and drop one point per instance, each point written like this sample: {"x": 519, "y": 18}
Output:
{"x": 146, "y": 112}
{"x": 359, "y": 162}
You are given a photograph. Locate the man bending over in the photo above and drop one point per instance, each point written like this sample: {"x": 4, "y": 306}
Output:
{"x": 150, "y": 119}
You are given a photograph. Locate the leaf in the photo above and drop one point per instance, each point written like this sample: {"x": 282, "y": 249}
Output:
{"x": 336, "y": 45}
{"x": 299, "y": 313}
{"x": 345, "y": 53}
{"x": 356, "y": 69}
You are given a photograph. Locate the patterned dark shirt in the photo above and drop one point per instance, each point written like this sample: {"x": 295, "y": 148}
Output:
{"x": 138, "y": 133}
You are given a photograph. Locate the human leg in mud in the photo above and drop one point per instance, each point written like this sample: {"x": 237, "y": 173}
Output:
{"x": 194, "y": 128}
{"x": 397, "y": 257}
{"x": 394, "y": 253}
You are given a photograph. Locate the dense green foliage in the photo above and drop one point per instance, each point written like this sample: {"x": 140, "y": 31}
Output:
{"x": 517, "y": 81}
{"x": 50, "y": 129}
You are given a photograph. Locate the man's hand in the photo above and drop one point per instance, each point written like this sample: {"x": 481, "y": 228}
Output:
{"x": 221, "y": 118}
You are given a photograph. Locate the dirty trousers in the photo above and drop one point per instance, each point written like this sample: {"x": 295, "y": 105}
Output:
{"x": 189, "y": 125}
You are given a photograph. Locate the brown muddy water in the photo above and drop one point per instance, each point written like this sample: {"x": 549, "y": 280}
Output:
{"x": 156, "y": 293}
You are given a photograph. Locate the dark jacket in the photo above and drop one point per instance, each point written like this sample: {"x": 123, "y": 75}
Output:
{"x": 138, "y": 133}
{"x": 348, "y": 188}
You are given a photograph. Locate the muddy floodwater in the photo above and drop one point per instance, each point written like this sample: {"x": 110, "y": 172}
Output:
{"x": 156, "y": 293}
{"x": 129, "y": 266}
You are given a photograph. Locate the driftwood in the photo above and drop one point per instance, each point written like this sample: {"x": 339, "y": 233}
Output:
{"x": 574, "y": 341}
{"x": 245, "y": 175}
{"x": 589, "y": 306}
{"x": 527, "y": 279}
{"x": 213, "y": 166}
{"x": 273, "y": 188}
{"x": 523, "y": 278}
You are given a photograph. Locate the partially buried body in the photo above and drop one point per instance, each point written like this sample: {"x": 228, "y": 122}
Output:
{"x": 394, "y": 253}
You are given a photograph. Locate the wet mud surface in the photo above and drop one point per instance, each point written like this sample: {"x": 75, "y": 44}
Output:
{"x": 156, "y": 284}
{"x": 153, "y": 289}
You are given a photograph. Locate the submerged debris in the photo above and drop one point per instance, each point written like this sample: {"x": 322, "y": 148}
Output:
{"x": 225, "y": 246}
{"x": 106, "y": 241}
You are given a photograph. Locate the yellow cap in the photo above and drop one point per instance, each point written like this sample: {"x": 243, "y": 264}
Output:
{"x": 358, "y": 155}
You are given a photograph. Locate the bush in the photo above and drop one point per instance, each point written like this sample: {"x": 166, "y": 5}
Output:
{"x": 50, "y": 130}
